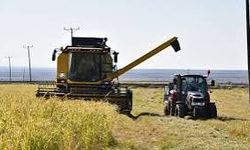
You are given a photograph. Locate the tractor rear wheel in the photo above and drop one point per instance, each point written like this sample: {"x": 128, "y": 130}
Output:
{"x": 180, "y": 110}
{"x": 166, "y": 110}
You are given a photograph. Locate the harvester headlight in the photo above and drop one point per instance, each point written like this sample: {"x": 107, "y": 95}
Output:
{"x": 62, "y": 75}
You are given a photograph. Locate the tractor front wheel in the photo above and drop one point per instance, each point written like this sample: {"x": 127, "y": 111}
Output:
{"x": 198, "y": 112}
{"x": 180, "y": 110}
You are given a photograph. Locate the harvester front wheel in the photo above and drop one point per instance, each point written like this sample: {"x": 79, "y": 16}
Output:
{"x": 127, "y": 113}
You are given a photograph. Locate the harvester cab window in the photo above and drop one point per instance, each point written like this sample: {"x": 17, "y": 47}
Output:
{"x": 84, "y": 67}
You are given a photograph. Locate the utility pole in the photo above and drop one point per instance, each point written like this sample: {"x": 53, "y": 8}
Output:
{"x": 71, "y": 30}
{"x": 23, "y": 73}
{"x": 9, "y": 57}
{"x": 248, "y": 46}
{"x": 28, "y": 48}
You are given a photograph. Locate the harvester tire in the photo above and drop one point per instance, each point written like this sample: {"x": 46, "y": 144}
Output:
{"x": 180, "y": 110}
{"x": 213, "y": 110}
{"x": 128, "y": 113}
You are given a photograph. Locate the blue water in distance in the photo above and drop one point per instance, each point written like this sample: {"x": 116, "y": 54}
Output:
{"x": 220, "y": 76}
{"x": 49, "y": 74}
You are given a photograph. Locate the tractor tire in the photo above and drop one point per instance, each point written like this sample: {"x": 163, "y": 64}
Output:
{"x": 180, "y": 110}
{"x": 166, "y": 110}
{"x": 212, "y": 111}
{"x": 172, "y": 109}
{"x": 197, "y": 112}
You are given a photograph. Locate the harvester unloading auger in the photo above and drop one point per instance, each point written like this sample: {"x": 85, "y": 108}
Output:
{"x": 86, "y": 70}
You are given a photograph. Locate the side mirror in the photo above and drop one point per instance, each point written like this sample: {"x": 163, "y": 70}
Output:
{"x": 208, "y": 73}
{"x": 115, "y": 56}
{"x": 212, "y": 83}
{"x": 54, "y": 55}
{"x": 174, "y": 81}
{"x": 171, "y": 86}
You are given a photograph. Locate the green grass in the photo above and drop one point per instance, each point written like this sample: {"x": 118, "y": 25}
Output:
{"x": 27, "y": 122}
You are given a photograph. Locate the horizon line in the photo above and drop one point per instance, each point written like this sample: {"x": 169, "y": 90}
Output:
{"x": 240, "y": 69}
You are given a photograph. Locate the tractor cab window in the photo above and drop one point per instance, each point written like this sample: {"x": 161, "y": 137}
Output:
{"x": 194, "y": 83}
{"x": 84, "y": 67}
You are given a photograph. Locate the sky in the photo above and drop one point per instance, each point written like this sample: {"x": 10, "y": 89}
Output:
{"x": 211, "y": 32}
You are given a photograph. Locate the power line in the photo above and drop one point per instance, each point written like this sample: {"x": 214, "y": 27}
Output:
{"x": 71, "y": 30}
{"x": 28, "y": 49}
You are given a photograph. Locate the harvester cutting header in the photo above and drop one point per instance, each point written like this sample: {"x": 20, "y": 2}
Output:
{"x": 86, "y": 70}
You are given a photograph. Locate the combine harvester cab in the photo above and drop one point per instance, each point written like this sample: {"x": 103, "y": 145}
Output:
{"x": 87, "y": 69}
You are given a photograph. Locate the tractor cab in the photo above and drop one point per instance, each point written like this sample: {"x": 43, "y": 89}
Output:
{"x": 195, "y": 83}
{"x": 186, "y": 83}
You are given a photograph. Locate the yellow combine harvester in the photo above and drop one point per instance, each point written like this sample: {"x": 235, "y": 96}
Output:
{"x": 87, "y": 69}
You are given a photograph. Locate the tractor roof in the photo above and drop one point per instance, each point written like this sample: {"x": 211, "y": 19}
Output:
{"x": 193, "y": 75}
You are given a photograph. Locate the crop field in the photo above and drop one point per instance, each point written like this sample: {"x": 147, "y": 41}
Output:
{"x": 27, "y": 122}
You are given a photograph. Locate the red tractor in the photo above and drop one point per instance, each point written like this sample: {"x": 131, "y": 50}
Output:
{"x": 188, "y": 95}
